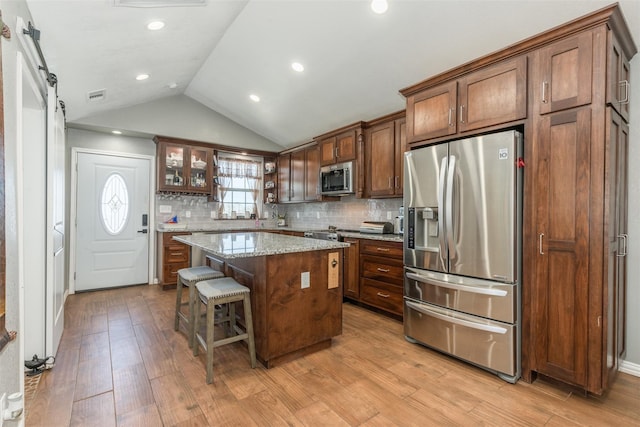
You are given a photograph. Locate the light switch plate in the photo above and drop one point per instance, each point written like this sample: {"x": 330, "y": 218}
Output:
{"x": 305, "y": 280}
{"x": 187, "y": 214}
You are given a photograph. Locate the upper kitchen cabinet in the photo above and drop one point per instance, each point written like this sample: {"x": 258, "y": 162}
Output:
{"x": 618, "y": 76}
{"x": 385, "y": 144}
{"x": 184, "y": 166}
{"x": 298, "y": 175}
{"x": 487, "y": 97}
{"x": 312, "y": 173}
{"x": 340, "y": 145}
{"x": 565, "y": 70}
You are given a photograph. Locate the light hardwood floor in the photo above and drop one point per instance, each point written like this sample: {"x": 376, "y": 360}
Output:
{"x": 121, "y": 363}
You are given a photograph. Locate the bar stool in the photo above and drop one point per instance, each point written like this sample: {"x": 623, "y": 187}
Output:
{"x": 218, "y": 292}
{"x": 189, "y": 277}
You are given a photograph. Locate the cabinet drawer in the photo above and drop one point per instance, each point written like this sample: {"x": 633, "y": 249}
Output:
{"x": 173, "y": 254}
{"x": 382, "y": 295}
{"x": 380, "y": 269}
{"x": 170, "y": 272}
{"x": 387, "y": 249}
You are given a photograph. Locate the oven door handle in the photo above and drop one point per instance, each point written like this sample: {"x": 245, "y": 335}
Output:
{"x": 457, "y": 287}
{"x": 456, "y": 321}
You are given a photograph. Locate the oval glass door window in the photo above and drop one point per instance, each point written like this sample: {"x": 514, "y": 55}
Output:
{"x": 115, "y": 204}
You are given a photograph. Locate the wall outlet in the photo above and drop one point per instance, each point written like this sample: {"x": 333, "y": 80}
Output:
{"x": 214, "y": 215}
{"x": 297, "y": 214}
{"x": 165, "y": 208}
{"x": 389, "y": 214}
{"x": 187, "y": 214}
{"x": 305, "y": 280}
{"x": 318, "y": 215}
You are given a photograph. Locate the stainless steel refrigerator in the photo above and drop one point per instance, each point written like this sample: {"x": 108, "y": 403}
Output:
{"x": 462, "y": 249}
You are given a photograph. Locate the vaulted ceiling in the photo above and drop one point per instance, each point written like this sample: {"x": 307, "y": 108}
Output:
{"x": 219, "y": 53}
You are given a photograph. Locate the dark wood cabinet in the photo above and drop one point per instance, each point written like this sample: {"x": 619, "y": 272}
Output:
{"x": 618, "y": 77}
{"x": 298, "y": 174}
{"x": 566, "y": 73}
{"x": 490, "y": 96}
{"x": 340, "y": 145}
{"x": 616, "y": 217}
{"x": 381, "y": 275}
{"x": 351, "y": 267}
{"x": 312, "y": 173}
{"x": 560, "y": 296}
{"x": 183, "y": 167}
{"x": 575, "y": 312}
{"x": 284, "y": 177}
{"x": 338, "y": 148}
{"x": 172, "y": 256}
{"x": 373, "y": 274}
{"x": 385, "y": 144}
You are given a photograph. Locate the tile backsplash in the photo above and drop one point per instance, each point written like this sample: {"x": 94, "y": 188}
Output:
{"x": 347, "y": 214}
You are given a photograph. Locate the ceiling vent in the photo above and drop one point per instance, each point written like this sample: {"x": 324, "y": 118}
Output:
{"x": 97, "y": 95}
{"x": 158, "y": 3}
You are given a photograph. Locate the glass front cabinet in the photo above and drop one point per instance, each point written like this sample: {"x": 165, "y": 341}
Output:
{"x": 184, "y": 168}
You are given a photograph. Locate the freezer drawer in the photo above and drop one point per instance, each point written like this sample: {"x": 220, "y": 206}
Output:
{"x": 493, "y": 300}
{"x": 479, "y": 341}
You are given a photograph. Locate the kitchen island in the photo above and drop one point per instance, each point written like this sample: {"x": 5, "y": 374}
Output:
{"x": 296, "y": 288}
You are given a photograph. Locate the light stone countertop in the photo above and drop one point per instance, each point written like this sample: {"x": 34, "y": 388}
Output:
{"x": 253, "y": 244}
{"x": 242, "y": 227}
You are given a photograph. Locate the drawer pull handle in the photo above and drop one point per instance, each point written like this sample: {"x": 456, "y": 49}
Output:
{"x": 177, "y": 254}
{"x": 383, "y": 249}
{"x": 383, "y": 270}
{"x": 380, "y": 294}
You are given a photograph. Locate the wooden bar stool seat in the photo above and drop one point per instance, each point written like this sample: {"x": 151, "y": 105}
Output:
{"x": 189, "y": 277}
{"x": 225, "y": 291}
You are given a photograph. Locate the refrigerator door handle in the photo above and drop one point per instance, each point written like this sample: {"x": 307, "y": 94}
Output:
{"x": 441, "y": 236}
{"x": 457, "y": 287}
{"x": 449, "y": 208}
{"x": 488, "y": 328}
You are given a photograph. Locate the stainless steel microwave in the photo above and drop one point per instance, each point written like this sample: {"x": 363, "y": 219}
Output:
{"x": 337, "y": 179}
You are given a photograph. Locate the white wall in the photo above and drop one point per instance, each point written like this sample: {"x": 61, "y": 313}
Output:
{"x": 181, "y": 117}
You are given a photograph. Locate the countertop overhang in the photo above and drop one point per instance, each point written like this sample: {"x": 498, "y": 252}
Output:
{"x": 255, "y": 243}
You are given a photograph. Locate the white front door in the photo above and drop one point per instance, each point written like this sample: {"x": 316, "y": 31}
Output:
{"x": 112, "y": 217}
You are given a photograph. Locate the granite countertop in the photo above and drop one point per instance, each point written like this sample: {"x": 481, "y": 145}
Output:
{"x": 249, "y": 227}
{"x": 252, "y": 244}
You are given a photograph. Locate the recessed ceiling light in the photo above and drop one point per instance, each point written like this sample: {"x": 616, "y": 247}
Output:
{"x": 254, "y": 98}
{"x": 155, "y": 25}
{"x": 116, "y": 132}
{"x": 142, "y": 76}
{"x": 173, "y": 85}
{"x": 297, "y": 67}
{"x": 379, "y": 6}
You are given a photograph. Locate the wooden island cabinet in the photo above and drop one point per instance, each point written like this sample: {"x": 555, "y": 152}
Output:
{"x": 567, "y": 89}
{"x": 295, "y": 283}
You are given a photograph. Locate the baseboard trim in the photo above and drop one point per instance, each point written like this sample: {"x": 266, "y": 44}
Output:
{"x": 630, "y": 368}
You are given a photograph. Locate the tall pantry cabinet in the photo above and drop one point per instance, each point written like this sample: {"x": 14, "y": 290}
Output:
{"x": 577, "y": 198}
